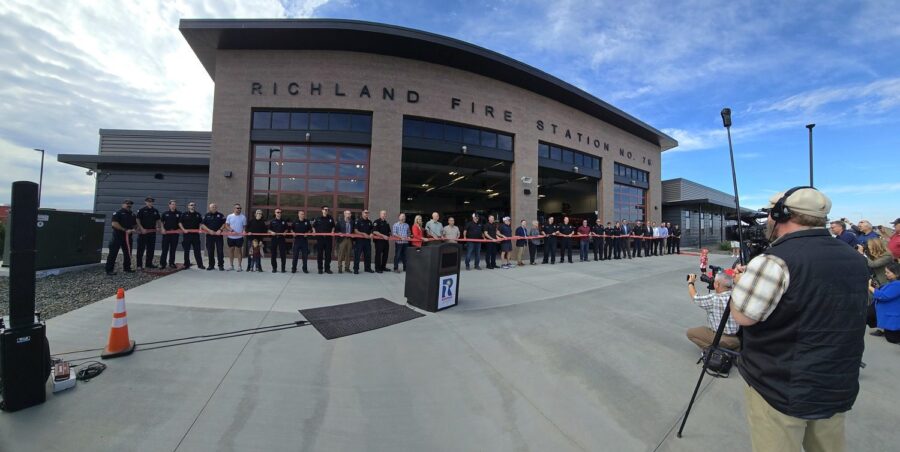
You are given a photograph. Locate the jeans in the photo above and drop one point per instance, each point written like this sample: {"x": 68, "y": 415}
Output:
{"x": 585, "y": 244}
{"x": 490, "y": 260}
{"x": 400, "y": 255}
{"x": 473, "y": 252}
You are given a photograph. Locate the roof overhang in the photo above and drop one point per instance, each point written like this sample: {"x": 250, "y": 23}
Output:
{"x": 94, "y": 162}
{"x": 207, "y": 36}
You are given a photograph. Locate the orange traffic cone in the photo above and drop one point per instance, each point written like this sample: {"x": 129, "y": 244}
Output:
{"x": 119, "y": 344}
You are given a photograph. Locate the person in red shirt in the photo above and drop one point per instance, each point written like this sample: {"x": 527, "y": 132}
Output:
{"x": 585, "y": 231}
{"x": 417, "y": 232}
{"x": 894, "y": 244}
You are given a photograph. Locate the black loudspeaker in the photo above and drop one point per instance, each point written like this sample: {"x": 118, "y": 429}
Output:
{"x": 527, "y": 191}
{"x": 24, "y": 367}
{"x": 24, "y": 352}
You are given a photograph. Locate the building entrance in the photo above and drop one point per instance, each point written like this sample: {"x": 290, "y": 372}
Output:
{"x": 453, "y": 185}
{"x": 565, "y": 193}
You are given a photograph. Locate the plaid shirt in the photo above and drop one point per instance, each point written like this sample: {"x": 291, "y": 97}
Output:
{"x": 760, "y": 288}
{"x": 400, "y": 230}
{"x": 714, "y": 305}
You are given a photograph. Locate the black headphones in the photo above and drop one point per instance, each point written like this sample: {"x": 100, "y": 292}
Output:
{"x": 779, "y": 212}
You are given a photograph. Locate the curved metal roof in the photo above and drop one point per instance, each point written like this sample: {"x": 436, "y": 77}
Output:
{"x": 206, "y": 36}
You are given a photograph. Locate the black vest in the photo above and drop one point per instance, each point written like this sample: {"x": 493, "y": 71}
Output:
{"x": 804, "y": 358}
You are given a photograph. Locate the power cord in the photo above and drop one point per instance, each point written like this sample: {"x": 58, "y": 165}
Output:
{"x": 91, "y": 370}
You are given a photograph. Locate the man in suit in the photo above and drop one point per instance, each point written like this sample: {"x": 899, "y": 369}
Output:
{"x": 626, "y": 238}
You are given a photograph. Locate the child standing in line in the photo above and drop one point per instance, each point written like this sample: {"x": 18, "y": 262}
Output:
{"x": 255, "y": 256}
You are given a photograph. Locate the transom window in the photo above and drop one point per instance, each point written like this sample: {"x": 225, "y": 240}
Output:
{"x": 312, "y": 120}
{"x": 445, "y": 131}
{"x": 632, "y": 173}
{"x": 568, "y": 156}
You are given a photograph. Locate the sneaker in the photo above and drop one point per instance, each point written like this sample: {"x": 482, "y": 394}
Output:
{"x": 239, "y": 269}
{"x": 231, "y": 269}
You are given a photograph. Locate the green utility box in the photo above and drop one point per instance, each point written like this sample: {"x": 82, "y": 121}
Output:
{"x": 65, "y": 239}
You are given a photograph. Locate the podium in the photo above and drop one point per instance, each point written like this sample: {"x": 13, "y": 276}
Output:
{"x": 432, "y": 276}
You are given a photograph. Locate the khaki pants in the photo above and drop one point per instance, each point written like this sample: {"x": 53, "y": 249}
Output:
{"x": 345, "y": 254}
{"x": 702, "y": 336}
{"x": 774, "y": 431}
{"x": 520, "y": 251}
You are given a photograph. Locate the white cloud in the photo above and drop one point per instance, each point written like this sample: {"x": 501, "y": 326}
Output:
{"x": 875, "y": 97}
{"x": 71, "y": 68}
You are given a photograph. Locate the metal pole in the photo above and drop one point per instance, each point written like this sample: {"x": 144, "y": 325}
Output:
{"x": 41, "y": 177}
{"x": 810, "y": 127}
{"x": 726, "y": 118}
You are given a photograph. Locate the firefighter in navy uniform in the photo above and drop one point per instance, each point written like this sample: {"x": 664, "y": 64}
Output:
{"x": 566, "y": 231}
{"x": 610, "y": 241}
{"x": 214, "y": 223}
{"x": 190, "y": 221}
{"x": 617, "y": 240}
{"x": 363, "y": 245}
{"x": 598, "y": 230}
{"x": 324, "y": 224}
{"x": 147, "y": 220}
{"x": 301, "y": 242}
{"x": 381, "y": 230}
{"x": 277, "y": 226}
{"x": 123, "y": 222}
{"x": 169, "y": 219}
{"x": 551, "y": 230}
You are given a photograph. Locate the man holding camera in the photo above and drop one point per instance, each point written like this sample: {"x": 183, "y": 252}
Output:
{"x": 802, "y": 306}
{"x": 714, "y": 304}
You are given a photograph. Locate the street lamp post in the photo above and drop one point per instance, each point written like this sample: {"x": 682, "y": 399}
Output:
{"x": 41, "y": 179}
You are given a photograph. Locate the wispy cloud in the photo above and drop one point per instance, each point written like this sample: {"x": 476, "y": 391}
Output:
{"x": 71, "y": 68}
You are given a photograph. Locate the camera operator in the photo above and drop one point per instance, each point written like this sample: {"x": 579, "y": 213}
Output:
{"x": 714, "y": 305}
{"x": 802, "y": 306}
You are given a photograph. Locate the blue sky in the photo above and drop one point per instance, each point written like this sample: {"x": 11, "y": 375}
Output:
{"x": 75, "y": 67}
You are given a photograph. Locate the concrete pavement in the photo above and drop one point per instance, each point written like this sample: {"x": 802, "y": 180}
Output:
{"x": 563, "y": 357}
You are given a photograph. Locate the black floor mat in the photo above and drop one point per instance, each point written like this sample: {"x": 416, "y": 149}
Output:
{"x": 351, "y": 318}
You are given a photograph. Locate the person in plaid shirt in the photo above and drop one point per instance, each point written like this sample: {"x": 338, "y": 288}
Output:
{"x": 714, "y": 304}
{"x": 802, "y": 307}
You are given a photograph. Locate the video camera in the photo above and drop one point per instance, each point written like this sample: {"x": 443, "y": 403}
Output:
{"x": 755, "y": 239}
{"x": 708, "y": 278}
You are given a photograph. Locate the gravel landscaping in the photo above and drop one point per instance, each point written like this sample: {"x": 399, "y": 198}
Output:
{"x": 56, "y": 295}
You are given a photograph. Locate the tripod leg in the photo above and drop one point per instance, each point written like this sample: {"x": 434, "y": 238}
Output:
{"x": 715, "y": 345}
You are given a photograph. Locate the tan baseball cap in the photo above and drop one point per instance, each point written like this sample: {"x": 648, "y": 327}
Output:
{"x": 807, "y": 201}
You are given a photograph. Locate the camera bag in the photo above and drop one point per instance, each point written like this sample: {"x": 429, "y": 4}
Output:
{"x": 720, "y": 362}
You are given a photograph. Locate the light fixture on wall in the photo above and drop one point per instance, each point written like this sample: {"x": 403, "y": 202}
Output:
{"x": 575, "y": 168}
{"x": 307, "y": 136}
{"x": 526, "y": 180}
{"x": 227, "y": 174}
{"x": 465, "y": 150}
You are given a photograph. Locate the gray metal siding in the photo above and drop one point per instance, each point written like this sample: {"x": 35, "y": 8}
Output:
{"x": 136, "y": 183}
{"x": 671, "y": 190}
{"x": 154, "y": 143}
{"x": 691, "y": 237}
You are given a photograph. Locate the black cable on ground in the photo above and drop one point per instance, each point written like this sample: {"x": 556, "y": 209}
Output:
{"x": 206, "y": 338}
{"x": 299, "y": 322}
{"x": 93, "y": 369}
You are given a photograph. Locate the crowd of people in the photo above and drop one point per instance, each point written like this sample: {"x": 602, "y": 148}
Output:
{"x": 352, "y": 239}
{"x": 879, "y": 246}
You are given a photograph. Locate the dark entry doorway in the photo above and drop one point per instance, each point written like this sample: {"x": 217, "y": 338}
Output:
{"x": 453, "y": 185}
{"x": 565, "y": 193}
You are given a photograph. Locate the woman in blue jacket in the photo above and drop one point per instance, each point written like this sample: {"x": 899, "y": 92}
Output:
{"x": 887, "y": 304}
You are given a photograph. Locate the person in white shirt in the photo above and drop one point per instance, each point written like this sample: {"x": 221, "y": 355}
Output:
{"x": 235, "y": 222}
{"x": 663, "y": 238}
{"x": 657, "y": 233}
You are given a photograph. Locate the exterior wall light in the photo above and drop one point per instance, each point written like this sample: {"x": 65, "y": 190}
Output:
{"x": 465, "y": 149}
